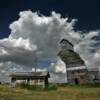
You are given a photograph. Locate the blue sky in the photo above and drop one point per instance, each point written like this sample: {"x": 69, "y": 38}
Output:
{"x": 86, "y": 11}
{"x": 45, "y": 63}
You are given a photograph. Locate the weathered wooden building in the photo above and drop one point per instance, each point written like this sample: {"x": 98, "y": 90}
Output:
{"x": 31, "y": 78}
{"x": 77, "y": 75}
{"x": 77, "y": 72}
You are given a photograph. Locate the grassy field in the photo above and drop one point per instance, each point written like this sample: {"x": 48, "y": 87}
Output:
{"x": 62, "y": 93}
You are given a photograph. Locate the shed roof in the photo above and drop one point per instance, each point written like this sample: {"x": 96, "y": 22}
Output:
{"x": 30, "y": 74}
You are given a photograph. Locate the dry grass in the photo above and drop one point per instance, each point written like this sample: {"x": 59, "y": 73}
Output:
{"x": 62, "y": 93}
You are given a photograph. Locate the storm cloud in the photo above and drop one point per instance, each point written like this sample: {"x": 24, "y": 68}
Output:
{"x": 35, "y": 35}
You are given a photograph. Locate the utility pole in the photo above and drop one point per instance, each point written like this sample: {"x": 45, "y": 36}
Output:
{"x": 36, "y": 61}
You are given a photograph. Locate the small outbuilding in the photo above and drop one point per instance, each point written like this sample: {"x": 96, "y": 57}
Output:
{"x": 31, "y": 78}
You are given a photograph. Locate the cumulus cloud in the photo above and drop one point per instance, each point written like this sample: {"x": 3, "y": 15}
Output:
{"x": 58, "y": 67}
{"x": 33, "y": 35}
{"x": 37, "y": 36}
{"x": 88, "y": 48}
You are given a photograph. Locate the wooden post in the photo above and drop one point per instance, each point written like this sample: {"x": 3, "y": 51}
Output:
{"x": 28, "y": 81}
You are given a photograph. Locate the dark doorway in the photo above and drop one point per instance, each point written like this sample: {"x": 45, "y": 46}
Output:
{"x": 76, "y": 81}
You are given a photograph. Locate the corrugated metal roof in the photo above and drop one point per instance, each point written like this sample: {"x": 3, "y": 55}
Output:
{"x": 43, "y": 73}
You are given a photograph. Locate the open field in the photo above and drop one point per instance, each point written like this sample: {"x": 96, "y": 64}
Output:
{"x": 62, "y": 93}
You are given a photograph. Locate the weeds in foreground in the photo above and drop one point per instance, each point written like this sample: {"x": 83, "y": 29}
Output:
{"x": 38, "y": 88}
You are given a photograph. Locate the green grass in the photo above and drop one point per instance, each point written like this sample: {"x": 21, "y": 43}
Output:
{"x": 37, "y": 88}
{"x": 64, "y": 92}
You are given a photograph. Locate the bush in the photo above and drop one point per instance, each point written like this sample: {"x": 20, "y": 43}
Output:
{"x": 22, "y": 85}
{"x": 30, "y": 87}
{"x": 51, "y": 87}
{"x": 62, "y": 84}
{"x": 37, "y": 87}
{"x": 92, "y": 85}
